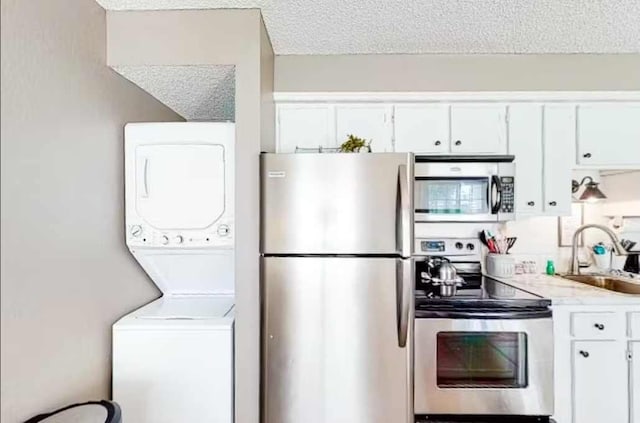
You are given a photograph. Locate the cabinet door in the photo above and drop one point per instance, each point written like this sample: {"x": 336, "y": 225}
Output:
{"x": 371, "y": 122}
{"x": 600, "y": 381}
{"x": 478, "y": 128}
{"x": 609, "y": 134}
{"x": 634, "y": 348}
{"x": 303, "y": 126}
{"x": 421, "y": 128}
{"x": 558, "y": 141}
{"x": 525, "y": 143}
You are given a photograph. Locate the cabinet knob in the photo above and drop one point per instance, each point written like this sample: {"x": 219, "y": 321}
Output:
{"x": 458, "y": 142}
{"x": 599, "y": 326}
{"x": 587, "y": 155}
{"x": 584, "y": 354}
{"x": 437, "y": 142}
{"x": 553, "y": 203}
{"x": 531, "y": 203}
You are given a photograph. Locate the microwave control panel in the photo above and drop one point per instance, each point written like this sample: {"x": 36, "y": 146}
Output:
{"x": 507, "y": 198}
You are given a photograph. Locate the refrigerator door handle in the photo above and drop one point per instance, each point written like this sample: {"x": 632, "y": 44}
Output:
{"x": 405, "y": 221}
{"x": 404, "y": 294}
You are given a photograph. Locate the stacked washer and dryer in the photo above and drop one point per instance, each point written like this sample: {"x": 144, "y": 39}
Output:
{"x": 173, "y": 358}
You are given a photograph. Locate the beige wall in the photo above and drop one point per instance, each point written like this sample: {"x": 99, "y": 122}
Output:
{"x": 220, "y": 37}
{"x": 388, "y": 72}
{"x": 66, "y": 273}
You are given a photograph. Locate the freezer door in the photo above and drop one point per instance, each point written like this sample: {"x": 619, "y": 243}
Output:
{"x": 337, "y": 340}
{"x": 337, "y": 203}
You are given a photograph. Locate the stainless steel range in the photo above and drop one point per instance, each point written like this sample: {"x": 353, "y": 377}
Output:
{"x": 484, "y": 348}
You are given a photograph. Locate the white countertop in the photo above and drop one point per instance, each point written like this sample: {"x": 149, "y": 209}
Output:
{"x": 565, "y": 292}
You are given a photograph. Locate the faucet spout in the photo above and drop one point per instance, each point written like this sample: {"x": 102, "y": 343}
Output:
{"x": 617, "y": 247}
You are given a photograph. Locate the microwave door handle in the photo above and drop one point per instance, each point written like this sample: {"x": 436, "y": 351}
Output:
{"x": 404, "y": 294}
{"x": 497, "y": 204}
{"x": 405, "y": 211}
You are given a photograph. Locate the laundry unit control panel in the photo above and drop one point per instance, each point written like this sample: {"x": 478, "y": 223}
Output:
{"x": 179, "y": 184}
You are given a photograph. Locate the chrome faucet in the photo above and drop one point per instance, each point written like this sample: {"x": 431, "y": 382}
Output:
{"x": 617, "y": 247}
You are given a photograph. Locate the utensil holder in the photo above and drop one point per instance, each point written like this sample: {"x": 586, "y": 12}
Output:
{"x": 500, "y": 265}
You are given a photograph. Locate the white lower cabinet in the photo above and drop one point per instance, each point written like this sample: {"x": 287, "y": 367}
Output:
{"x": 597, "y": 364}
{"x": 599, "y": 382}
{"x": 634, "y": 349}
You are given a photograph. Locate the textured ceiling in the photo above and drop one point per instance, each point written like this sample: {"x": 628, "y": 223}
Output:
{"x": 434, "y": 26}
{"x": 195, "y": 92}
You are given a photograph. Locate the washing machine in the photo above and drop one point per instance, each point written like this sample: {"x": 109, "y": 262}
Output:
{"x": 173, "y": 357}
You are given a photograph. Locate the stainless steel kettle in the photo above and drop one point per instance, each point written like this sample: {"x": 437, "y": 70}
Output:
{"x": 446, "y": 276}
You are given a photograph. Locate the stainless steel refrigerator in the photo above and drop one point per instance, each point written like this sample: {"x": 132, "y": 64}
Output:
{"x": 337, "y": 288}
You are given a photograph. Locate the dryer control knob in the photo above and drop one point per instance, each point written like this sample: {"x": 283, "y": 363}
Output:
{"x": 164, "y": 240}
{"x": 136, "y": 230}
{"x": 178, "y": 239}
{"x": 223, "y": 230}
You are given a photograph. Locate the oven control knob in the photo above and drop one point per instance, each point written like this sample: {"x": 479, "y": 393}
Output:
{"x": 471, "y": 247}
{"x": 178, "y": 239}
{"x": 459, "y": 245}
{"x": 164, "y": 240}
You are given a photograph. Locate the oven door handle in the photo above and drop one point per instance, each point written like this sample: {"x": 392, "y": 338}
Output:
{"x": 523, "y": 314}
{"x": 496, "y": 203}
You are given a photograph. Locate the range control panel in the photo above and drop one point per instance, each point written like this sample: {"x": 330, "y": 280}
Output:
{"x": 447, "y": 247}
{"x": 508, "y": 200}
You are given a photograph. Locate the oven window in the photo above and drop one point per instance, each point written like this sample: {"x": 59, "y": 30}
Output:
{"x": 482, "y": 360}
{"x": 452, "y": 195}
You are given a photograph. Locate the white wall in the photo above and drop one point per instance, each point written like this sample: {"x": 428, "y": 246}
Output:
{"x": 66, "y": 273}
{"x": 442, "y": 72}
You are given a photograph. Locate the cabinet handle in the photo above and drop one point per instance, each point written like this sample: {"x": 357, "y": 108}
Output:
{"x": 531, "y": 203}
{"x": 584, "y": 354}
{"x": 587, "y": 155}
{"x": 438, "y": 143}
{"x": 599, "y": 326}
{"x": 553, "y": 203}
{"x": 458, "y": 142}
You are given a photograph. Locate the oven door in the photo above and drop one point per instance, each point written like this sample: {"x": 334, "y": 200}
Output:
{"x": 457, "y": 192}
{"x": 478, "y": 366}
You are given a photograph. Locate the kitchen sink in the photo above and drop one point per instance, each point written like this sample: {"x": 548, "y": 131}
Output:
{"x": 607, "y": 282}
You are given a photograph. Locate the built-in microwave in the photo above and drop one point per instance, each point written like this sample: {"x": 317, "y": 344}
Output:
{"x": 464, "y": 188}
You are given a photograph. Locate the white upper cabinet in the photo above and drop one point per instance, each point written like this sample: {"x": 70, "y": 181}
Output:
{"x": 421, "y": 128}
{"x": 525, "y": 143}
{"x": 478, "y": 128}
{"x": 609, "y": 134}
{"x": 303, "y": 126}
{"x": 558, "y": 140}
{"x": 371, "y": 122}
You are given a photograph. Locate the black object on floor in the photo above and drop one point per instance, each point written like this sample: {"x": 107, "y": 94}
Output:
{"x": 88, "y": 412}
{"x": 445, "y": 418}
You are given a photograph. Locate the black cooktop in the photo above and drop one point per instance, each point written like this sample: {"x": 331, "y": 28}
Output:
{"x": 480, "y": 297}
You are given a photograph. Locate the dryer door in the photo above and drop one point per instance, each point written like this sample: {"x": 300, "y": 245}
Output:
{"x": 180, "y": 186}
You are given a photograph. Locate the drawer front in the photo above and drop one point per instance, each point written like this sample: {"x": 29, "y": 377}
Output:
{"x": 634, "y": 325}
{"x": 603, "y": 325}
